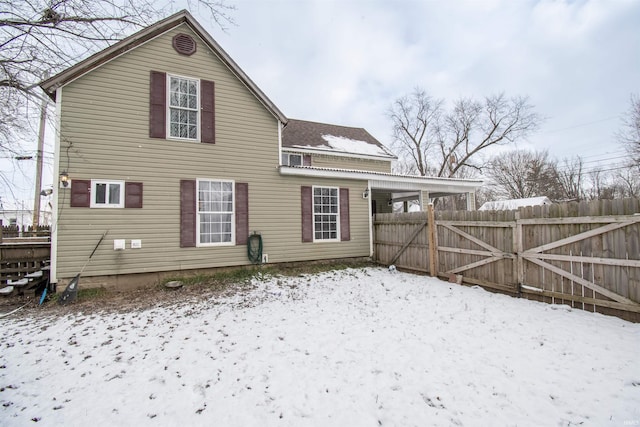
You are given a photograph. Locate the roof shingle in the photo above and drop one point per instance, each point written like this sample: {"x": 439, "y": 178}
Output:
{"x": 327, "y": 137}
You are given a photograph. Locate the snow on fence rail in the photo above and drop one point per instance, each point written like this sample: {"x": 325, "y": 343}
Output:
{"x": 25, "y": 255}
{"x": 19, "y": 259}
{"x": 584, "y": 254}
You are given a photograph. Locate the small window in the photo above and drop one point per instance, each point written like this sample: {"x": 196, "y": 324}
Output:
{"x": 183, "y": 107}
{"x": 289, "y": 159}
{"x": 107, "y": 194}
{"x": 326, "y": 213}
{"x": 215, "y": 206}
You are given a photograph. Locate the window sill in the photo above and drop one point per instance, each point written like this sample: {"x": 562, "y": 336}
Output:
{"x": 106, "y": 206}
{"x": 214, "y": 245}
{"x": 173, "y": 138}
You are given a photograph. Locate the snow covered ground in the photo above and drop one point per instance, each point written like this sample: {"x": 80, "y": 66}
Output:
{"x": 358, "y": 347}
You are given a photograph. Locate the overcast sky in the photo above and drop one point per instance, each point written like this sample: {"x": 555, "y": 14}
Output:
{"x": 346, "y": 61}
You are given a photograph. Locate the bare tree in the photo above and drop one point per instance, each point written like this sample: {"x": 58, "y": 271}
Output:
{"x": 521, "y": 174}
{"x": 570, "y": 178}
{"x": 46, "y": 36}
{"x": 629, "y": 135}
{"x": 416, "y": 121}
{"x": 442, "y": 143}
{"x": 627, "y": 182}
{"x": 600, "y": 185}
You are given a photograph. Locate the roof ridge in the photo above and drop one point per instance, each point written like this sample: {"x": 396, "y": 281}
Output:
{"x": 327, "y": 124}
{"x": 149, "y": 32}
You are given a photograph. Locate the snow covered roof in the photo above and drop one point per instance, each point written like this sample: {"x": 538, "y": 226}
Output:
{"x": 513, "y": 204}
{"x": 312, "y": 136}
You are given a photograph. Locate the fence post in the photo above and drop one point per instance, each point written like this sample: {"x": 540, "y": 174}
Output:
{"x": 1, "y": 229}
{"x": 433, "y": 249}
{"x": 518, "y": 249}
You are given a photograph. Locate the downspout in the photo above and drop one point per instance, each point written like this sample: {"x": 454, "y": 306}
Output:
{"x": 280, "y": 127}
{"x": 371, "y": 229}
{"x": 56, "y": 186}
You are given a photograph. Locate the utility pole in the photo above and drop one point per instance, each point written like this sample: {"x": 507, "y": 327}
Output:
{"x": 39, "y": 155}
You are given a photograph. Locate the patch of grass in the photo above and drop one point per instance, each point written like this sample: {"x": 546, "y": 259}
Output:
{"x": 316, "y": 267}
{"x": 83, "y": 294}
{"x": 91, "y": 293}
{"x": 221, "y": 279}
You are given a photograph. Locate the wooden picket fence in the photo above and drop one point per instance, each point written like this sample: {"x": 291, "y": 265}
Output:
{"x": 11, "y": 231}
{"x": 586, "y": 255}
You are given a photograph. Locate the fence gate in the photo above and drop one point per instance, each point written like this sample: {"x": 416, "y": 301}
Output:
{"x": 402, "y": 240}
{"x": 588, "y": 262}
{"x": 482, "y": 252}
{"x": 586, "y": 255}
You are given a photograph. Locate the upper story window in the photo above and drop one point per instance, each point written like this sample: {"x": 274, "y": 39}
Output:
{"x": 289, "y": 159}
{"x": 183, "y": 107}
{"x": 107, "y": 194}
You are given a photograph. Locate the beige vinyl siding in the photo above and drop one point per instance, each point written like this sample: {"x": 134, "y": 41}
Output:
{"x": 104, "y": 135}
{"x": 351, "y": 163}
{"x": 382, "y": 202}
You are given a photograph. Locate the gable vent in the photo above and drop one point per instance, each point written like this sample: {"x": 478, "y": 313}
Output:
{"x": 184, "y": 44}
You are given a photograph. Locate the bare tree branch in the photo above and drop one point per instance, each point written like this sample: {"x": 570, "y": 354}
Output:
{"x": 445, "y": 143}
{"x": 629, "y": 135}
{"x": 415, "y": 120}
{"x": 38, "y": 36}
{"x": 520, "y": 174}
{"x": 571, "y": 180}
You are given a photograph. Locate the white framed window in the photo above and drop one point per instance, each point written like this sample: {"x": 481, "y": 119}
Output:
{"x": 216, "y": 212}
{"x": 326, "y": 213}
{"x": 289, "y": 159}
{"x": 184, "y": 108}
{"x": 107, "y": 194}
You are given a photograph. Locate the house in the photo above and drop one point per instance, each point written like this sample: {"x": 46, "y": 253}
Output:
{"x": 23, "y": 218}
{"x": 164, "y": 142}
{"x": 514, "y": 204}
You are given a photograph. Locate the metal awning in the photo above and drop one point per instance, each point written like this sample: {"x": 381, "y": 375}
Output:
{"x": 435, "y": 186}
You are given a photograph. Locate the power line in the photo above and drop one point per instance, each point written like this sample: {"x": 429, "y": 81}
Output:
{"x": 582, "y": 125}
{"x": 605, "y": 160}
{"x": 607, "y": 153}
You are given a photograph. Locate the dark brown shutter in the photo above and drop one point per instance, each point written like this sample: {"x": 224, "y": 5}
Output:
{"x": 306, "y": 160}
{"x": 307, "y": 214}
{"x": 157, "y": 105}
{"x": 80, "y": 193}
{"x": 207, "y": 113}
{"x": 345, "y": 231}
{"x": 132, "y": 194}
{"x": 242, "y": 213}
{"x": 187, "y": 213}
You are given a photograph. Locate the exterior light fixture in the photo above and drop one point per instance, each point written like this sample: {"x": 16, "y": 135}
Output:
{"x": 64, "y": 179}
{"x": 365, "y": 195}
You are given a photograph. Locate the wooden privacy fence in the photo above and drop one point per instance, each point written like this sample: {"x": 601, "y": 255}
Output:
{"x": 586, "y": 255}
